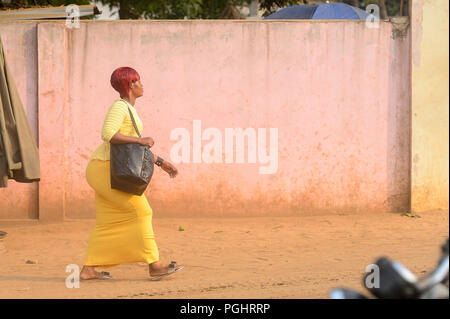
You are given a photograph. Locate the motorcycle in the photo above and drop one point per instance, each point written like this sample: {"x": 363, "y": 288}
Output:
{"x": 397, "y": 282}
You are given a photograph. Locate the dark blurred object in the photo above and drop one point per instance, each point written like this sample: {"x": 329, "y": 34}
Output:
{"x": 395, "y": 281}
{"x": 3, "y": 234}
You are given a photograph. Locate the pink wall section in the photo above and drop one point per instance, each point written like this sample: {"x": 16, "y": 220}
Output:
{"x": 337, "y": 92}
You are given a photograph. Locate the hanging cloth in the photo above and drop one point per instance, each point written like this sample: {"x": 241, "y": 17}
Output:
{"x": 19, "y": 155}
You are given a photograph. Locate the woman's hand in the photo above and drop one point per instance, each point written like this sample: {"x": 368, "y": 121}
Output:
{"x": 146, "y": 141}
{"x": 169, "y": 168}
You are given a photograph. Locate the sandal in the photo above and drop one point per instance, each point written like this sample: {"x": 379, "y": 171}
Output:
{"x": 104, "y": 276}
{"x": 172, "y": 269}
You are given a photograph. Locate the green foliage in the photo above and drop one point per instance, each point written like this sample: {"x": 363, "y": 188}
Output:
{"x": 189, "y": 9}
{"x": 392, "y": 6}
{"x": 173, "y": 9}
{"x": 270, "y": 6}
{"x": 215, "y": 9}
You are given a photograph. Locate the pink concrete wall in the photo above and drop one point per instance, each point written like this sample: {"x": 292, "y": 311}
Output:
{"x": 337, "y": 92}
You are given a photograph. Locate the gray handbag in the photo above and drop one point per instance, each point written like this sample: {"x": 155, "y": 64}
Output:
{"x": 131, "y": 165}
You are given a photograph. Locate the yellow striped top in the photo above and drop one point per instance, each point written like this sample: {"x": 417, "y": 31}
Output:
{"x": 117, "y": 119}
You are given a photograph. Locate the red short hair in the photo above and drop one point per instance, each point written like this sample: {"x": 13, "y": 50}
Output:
{"x": 121, "y": 77}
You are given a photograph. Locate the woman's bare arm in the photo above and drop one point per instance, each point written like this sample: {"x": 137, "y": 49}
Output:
{"x": 124, "y": 139}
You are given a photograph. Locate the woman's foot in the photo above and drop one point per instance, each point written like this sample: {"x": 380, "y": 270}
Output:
{"x": 157, "y": 270}
{"x": 88, "y": 272}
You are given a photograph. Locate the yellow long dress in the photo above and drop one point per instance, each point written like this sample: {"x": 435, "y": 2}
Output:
{"x": 123, "y": 232}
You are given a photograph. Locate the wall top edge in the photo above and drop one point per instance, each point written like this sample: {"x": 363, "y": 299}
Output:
{"x": 199, "y": 20}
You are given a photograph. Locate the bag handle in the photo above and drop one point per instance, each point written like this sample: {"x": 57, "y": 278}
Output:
{"x": 134, "y": 123}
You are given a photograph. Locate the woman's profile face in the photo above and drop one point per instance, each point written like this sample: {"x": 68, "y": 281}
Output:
{"x": 137, "y": 88}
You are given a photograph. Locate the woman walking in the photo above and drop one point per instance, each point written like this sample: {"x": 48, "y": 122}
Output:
{"x": 123, "y": 232}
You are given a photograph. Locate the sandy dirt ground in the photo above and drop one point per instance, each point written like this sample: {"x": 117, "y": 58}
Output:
{"x": 286, "y": 257}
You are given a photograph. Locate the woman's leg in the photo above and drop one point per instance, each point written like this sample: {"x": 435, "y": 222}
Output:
{"x": 88, "y": 272}
{"x": 158, "y": 268}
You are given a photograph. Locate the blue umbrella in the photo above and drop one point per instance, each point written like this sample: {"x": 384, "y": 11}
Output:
{"x": 320, "y": 11}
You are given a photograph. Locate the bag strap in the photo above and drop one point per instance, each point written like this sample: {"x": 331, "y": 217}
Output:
{"x": 134, "y": 123}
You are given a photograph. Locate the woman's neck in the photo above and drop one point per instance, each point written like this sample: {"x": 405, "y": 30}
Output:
{"x": 130, "y": 99}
